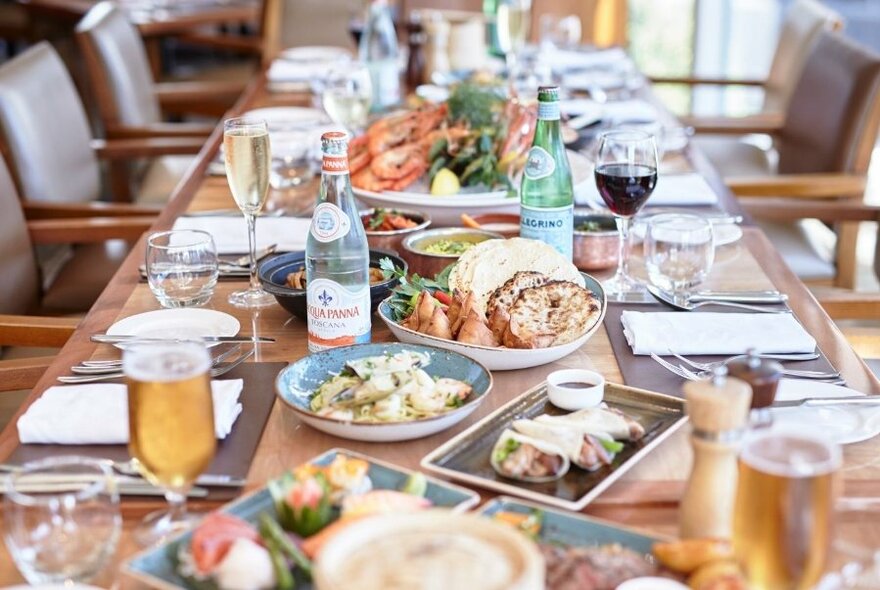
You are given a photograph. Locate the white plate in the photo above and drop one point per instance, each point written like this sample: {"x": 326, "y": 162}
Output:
{"x": 176, "y": 323}
{"x": 843, "y": 424}
{"x": 312, "y": 53}
{"x": 725, "y": 233}
{"x": 446, "y": 211}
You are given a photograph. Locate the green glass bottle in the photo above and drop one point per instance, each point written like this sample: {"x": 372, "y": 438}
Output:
{"x": 490, "y": 11}
{"x": 546, "y": 193}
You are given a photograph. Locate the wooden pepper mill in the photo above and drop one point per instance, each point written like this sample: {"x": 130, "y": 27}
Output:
{"x": 718, "y": 410}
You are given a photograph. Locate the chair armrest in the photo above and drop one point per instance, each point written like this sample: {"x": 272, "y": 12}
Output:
{"x": 24, "y": 373}
{"x": 697, "y": 80}
{"x": 836, "y": 211}
{"x": 843, "y": 304}
{"x": 37, "y": 210}
{"x": 175, "y": 96}
{"x": 27, "y": 330}
{"x": 807, "y": 186}
{"x": 88, "y": 230}
{"x": 145, "y": 147}
{"x": 201, "y": 130}
{"x": 769, "y": 123}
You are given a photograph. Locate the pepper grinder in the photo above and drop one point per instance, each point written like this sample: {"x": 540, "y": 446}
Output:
{"x": 718, "y": 410}
{"x": 763, "y": 376}
{"x": 415, "y": 65}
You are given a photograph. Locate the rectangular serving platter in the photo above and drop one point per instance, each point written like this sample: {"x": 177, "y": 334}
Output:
{"x": 573, "y": 530}
{"x": 156, "y": 565}
{"x": 465, "y": 458}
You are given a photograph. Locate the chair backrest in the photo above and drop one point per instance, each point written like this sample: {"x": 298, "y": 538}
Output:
{"x": 20, "y": 286}
{"x": 804, "y": 21}
{"x": 295, "y": 23}
{"x": 46, "y": 129}
{"x": 118, "y": 67}
{"x": 832, "y": 122}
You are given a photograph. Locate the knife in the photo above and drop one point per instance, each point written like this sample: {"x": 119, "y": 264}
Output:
{"x": 59, "y": 484}
{"x": 133, "y": 480}
{"x": 739, "y": 296}
{"x": 852, "y": 400}
{"x": 108, "y": 339}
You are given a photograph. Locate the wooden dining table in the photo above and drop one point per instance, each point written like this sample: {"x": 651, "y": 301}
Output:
{"x": 646, "y": 497}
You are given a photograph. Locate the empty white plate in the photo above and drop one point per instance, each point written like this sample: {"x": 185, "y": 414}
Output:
{"x": 176, "y": 323}
{"x": 843, "y": 424}
{"x": 313, "y": 53}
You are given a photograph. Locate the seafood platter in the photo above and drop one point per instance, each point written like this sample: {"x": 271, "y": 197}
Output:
{"x": 530, "y": 448}
{"x": 461, "y": 155}
{"x": 508, "y": 304}
{"x": 383, "y": 392}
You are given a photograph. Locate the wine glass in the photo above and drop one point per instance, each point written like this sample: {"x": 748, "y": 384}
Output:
{"x": 512, "y": 29}
{"x": 247, "y": 155}
{"x": 171, "y": 425}
{"x": 348, "y": 95}
{"x": 61, "y": 536}
{"x": 679, "y": 251}
{"x": 626, "y": 174}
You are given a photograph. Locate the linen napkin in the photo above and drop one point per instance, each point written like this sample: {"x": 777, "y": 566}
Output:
{"x": 672, "y": 190}
{"x": 616, "y": 112}
{"x": 230, "y": 232}
{"x": 565, "y": 59}
{"x": 714, "y": 333}
{"x": 97, "y": 414}
{"x": 283, "y": 70}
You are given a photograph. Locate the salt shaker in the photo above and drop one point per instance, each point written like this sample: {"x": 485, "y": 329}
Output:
{"x": 763, "y": 377}
{"x": 718, "y": 410}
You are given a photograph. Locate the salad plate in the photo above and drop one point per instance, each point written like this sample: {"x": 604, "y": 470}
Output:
{"x": 297, "y": 385}
{"x": 158, "y": 567}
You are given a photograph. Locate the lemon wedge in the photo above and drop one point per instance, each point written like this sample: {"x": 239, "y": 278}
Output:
{"x": 445, "y": 183}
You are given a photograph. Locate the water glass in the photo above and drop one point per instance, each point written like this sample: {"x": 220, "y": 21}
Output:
{"x": 348, "y": 95}
{"x": 679, "y": 251}
{"x": 61, "y": 536}
{"x": 182, "y": 267}
{"x": 293, "y": 162}
{"x": 559, "y": 32}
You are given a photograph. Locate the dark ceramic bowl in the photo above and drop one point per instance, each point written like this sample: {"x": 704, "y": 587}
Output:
{"x": 273, "y": 276}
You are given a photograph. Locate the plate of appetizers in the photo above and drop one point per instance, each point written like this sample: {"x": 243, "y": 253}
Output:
{"x": 530, "y": 448}
{"x": 290, "y": 521}
{"x": 383, "y": 392}
{"x": 508, "y": 304}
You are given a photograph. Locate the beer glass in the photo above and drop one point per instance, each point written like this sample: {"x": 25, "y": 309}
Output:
{"x": 784, "y": 509}
{"x": 247, "y": 156}
{"x": 171, "y": 424}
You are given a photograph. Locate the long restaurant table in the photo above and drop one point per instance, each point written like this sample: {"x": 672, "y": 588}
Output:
{"x": 646, "y": 497}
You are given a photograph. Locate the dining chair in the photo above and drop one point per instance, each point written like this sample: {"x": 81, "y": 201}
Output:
{"x": 292, "y": 23}
{"x": 804, "y": 21}
{"x": 821, "y": 154}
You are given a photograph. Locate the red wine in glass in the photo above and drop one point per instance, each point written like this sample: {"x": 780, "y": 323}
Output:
{"x": 625, "y": 187}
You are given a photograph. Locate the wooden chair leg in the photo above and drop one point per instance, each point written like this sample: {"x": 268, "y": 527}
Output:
{"x": 846, "y": 255}
{"x": 119, "y": 174}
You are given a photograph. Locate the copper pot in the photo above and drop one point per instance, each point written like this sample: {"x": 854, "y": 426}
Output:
{"x": 595, "y": 249}
{"x": 390, "y": 240}
{"x": 428, "y": 264}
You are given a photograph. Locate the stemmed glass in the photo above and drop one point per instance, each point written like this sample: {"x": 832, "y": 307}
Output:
{"x": 171, "y": 425}
{"x": 512, "y": 29}
{"x": 626, "y": 174}
{"x": 348, "y": 95}
{"x": 247, "y": 155}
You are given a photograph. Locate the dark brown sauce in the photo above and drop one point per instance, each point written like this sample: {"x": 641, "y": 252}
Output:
{"x": 576, "y": 385}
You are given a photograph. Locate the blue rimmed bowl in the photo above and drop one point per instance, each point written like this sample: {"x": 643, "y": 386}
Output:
{"x": 295, "y": 384}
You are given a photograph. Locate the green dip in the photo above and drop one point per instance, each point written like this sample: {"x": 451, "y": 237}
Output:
{"x": 449, "y": 247}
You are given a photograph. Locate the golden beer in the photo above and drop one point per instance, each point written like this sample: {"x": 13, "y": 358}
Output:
{"x": 170, "y": 412}
{"x": 784, "y": 509}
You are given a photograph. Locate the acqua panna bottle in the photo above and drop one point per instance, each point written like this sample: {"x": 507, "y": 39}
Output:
{"x": 378, "y": 49}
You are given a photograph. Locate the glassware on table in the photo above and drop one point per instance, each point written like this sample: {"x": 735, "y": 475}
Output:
{"x": 61, "y": 536}
{"x": 679, "y": 251}
{"x": 247, "y": 156}
{"x": 181, "y": 267}
{"x": 171, "y": 424}
{"x": 626, "y": 174}
{"x": 559, "y": 32}
{"x": 293, "y": 163}
{"x": 348, "y": 95}
{"x": 512, "y": 29}
{"x": 784, "y": 508}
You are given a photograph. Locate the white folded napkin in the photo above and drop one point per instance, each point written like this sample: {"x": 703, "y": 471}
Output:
{"x": 615, "y": 111}
{"x": 97, "y": 414}
{"x": 230, "y": 232}
{"x": 566, "y": 59}
{"x": 671, "y": 190}
{"x": 714, "y": 333}
{"x": 282, "y": 70}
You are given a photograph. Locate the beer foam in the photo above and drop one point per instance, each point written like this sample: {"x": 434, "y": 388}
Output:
{"x": 165, "y": 361}
{"x": 791, "y": 454}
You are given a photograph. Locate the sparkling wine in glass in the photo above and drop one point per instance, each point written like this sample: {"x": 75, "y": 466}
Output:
{"x": 348, "y": 96}
{"x": 512, "y": 25}
{"x": 171, "y": 425}
{"x": 247, "y": 154}
{"x": 626, "y": 174}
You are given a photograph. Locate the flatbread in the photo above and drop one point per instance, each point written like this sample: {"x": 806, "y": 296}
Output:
{"x": 488, "y": 265}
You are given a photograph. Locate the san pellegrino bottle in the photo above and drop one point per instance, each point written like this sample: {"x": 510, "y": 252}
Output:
{"x": 490, "y": 12}
{"x": 337, "y": 257}
{"x": 379, "y": 50}
{"x": 546, "y": 192}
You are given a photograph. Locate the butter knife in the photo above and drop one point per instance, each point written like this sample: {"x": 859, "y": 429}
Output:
{"x": 108, "y": 339}
{"x": 739, "y": 296}
{"x": 812, "y": 402}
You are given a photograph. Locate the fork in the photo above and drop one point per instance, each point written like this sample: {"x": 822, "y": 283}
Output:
{"x": 708, "y": 367}
{"x": 689, "y": 375}
{"x": 217, "y": 371}
{"x": 113, "y": 366}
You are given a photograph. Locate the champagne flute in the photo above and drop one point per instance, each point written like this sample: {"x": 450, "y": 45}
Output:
{"x": 246, "y": 150}
{"x": 171, "y": 425}
{"x": 626, "y": 174}
{"x": 348, "y": 95}
{"x": 512, "y": 25}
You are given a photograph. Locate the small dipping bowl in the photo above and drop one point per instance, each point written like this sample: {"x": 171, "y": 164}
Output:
{"x": 506, "y": 224}
{"x": 595, "y": 249}
{"x": 575, "y": 389}
{"x": 390, "y": 240}
{"x": 428, "y": 264}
